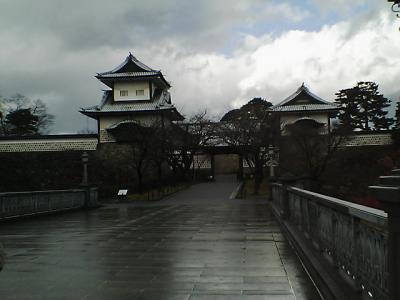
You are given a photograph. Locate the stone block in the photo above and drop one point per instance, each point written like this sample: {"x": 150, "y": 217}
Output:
{"x": 389, "y": 194}
{"x": 396, "y": 172}
{"x": 389, "y": 180}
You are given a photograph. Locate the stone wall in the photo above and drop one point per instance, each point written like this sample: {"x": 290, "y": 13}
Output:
{"x": 20, "y": 204}
{"x": 369, "y": 139}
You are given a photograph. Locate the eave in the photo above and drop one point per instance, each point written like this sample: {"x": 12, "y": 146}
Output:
{"x": 97, "y": 114}
{"x": 110, "y": 80}
{"x": 329, "y": 110}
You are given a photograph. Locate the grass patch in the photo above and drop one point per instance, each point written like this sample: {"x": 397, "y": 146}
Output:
{"x": 153, "y": 194}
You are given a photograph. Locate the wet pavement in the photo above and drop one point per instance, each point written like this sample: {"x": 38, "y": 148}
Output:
{"x": 197, "y": 244}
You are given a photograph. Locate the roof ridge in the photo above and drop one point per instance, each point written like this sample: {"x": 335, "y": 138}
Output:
{"x": 297, "y": 92}
{"x": 128, "y": 59}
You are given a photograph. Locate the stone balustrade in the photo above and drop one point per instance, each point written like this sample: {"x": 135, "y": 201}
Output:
{"x": 2, "y": 257}
{"x": 345, "y": 243}
{"x": 38, "y": 202}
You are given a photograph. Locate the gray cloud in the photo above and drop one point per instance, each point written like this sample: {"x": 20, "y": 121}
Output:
{"x": 51, "y": 50}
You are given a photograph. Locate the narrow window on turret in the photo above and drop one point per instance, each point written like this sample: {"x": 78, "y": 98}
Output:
{"x": 139, "y": 92}
{"x": 123, "y": 93}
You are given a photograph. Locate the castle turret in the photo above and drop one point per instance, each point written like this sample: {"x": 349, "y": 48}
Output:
{"x": 137, "y": 93}
{"x": 305, "y": 107}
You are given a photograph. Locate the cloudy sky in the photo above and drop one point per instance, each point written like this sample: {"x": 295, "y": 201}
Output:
{"x": 218, "y": 54}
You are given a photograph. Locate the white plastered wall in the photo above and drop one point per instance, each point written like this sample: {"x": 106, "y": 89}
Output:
{"x": 131, "y": 87}
{"x": 292, "y": 118}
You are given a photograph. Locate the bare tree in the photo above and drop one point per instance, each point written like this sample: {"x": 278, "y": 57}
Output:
{"x": 161, "y": 143}
{"x": 141, "y": 140}
{"x": 186, "y": 139}
{"x": 310, "y": 151}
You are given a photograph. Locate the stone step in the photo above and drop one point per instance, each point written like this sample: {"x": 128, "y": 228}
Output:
{"x": 389, "y": 180}
{"x": 396, "y": 172}
{"x": 385, "y": 193}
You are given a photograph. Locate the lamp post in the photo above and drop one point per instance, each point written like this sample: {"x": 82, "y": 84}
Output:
{"x": 85, "y": 159}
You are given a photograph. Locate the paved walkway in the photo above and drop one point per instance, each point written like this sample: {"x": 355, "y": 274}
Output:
{"x": 195, "y": 245}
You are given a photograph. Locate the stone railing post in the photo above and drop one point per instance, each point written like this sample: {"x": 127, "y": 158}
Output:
{"x": 91, "y": 197}
{"x": 270, "y": 190}
{"x": 2, "y": 257}
{"x": 388, "y": 194}
{"x": 284, "y": 207}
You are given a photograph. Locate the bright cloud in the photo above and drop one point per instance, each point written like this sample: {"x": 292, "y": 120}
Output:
{"x": 327, "y": 60}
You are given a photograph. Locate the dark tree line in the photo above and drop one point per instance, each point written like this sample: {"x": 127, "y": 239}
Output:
{"x": 20, "y": 115}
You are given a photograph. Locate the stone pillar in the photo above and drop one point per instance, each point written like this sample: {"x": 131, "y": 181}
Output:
{"x": 240, "y": 171}
{"x": 271, "y": 171}
{"x": 212, "y": 166}
{"x": 388, "y": 194}
{"x": 284, "y": 205}
{"x": 270, "y": 187}
{"x": 91, "y": 197}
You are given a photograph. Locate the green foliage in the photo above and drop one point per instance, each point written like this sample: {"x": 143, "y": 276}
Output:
{"x": 250, "y": 129}
{"x": 397, "y": 116}
{"x": 22, "y": 122}
{"x": 257, "y": 108}
{"x": 155, "y": 194}
{"x": 363, "y": 108}
{"x": 231, "y": 115}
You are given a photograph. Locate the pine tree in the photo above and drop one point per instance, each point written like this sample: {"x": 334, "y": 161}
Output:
{"x": 346, "y": 100}
{"x": 396, "y": 128}
{"x": 397, "y": 116}
{"x": 363, "y": 107}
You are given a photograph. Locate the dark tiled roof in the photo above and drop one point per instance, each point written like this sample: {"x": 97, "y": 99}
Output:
{"x": 129, "y": 74}
{"x": 315, "y": 103}
{"x": 130, "y": 64}
{"x": 132, "y": 69}
{"x": 160, "y": 102}
{"x": 304, "y": 107}
{"x": 47, "y": 137}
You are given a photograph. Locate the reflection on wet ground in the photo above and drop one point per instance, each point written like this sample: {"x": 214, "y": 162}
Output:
{"x": 197, "y": 244}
